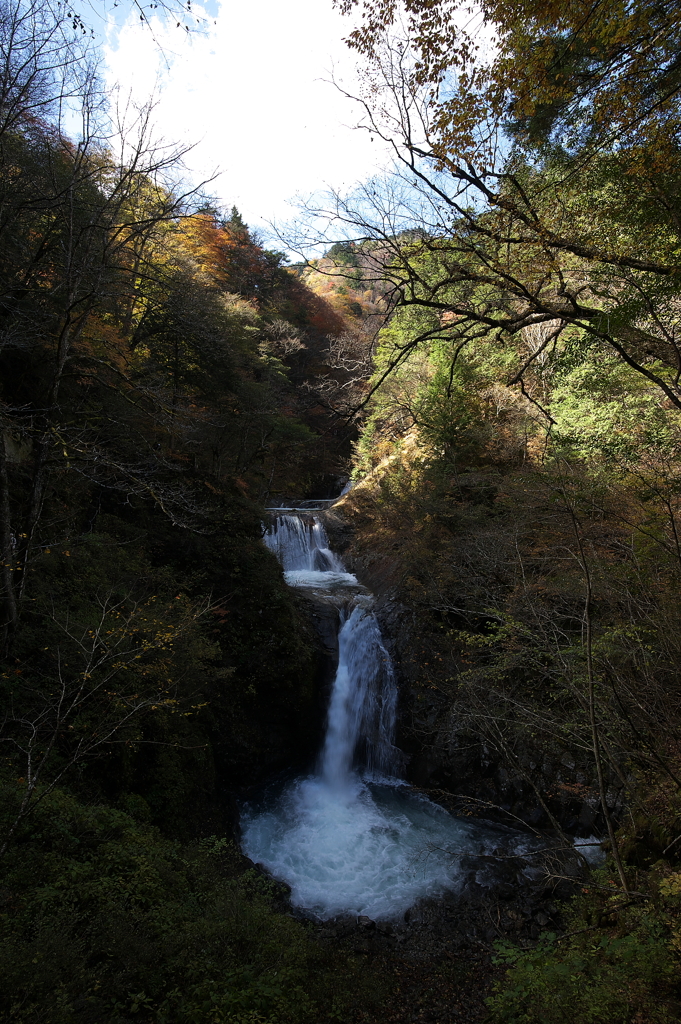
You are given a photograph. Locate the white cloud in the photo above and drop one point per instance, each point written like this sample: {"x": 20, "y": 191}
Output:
{"x": 253, "y": 94}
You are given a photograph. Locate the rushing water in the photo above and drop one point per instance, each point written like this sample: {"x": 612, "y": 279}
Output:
{"x": 352, "y": 837}
{"x": 300, "y": 543}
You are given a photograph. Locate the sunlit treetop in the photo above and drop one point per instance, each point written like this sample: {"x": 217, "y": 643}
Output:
{"x": 585, "y": 74}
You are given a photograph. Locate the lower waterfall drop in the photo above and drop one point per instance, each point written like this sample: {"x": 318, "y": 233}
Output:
{"x": 363, "y": 703}
{"x": 353, "y": 838}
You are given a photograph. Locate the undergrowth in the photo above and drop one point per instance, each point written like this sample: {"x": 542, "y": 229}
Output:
{"x": 105, "y": 920}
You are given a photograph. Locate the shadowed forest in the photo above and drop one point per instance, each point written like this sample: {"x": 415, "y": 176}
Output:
{"x": 486, "y": 343}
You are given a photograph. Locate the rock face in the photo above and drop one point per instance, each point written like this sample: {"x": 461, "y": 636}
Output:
{"x": 543, "y": 787}
{"x": 501, "y": 894}
{"x": 450, "y": 922}
{"x": 323, "y": 611}
{"x": 324, "y": 616}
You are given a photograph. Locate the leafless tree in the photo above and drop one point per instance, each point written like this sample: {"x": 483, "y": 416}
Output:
{"x": 491, "y": 246}
{"x": 95, "y": 695}
{"x": 79, "y": 222}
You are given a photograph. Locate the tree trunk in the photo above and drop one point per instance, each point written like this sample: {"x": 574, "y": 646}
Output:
{"x": 7, "y": 553}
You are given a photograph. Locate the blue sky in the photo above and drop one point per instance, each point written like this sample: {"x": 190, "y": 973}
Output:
{"x": 251, "y": 90}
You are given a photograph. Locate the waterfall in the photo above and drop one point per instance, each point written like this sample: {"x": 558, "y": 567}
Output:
{"x": 363, "y": 704}
{"x": 352, "y": 837}
{"x": 300, "y": 542}
{"x": 362, "y": 709}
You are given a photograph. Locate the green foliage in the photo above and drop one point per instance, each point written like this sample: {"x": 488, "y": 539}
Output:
{"x": 595, "y": 974}
{"x": 343, "y": 254}
{"x": 453, "y": 396}
{"x": 605, "y": 411}
{"x": 105, "y": 920}
{"x": 612, "y": 979}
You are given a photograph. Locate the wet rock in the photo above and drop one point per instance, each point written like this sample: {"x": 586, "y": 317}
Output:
{"x": 506, "y": 891}
{"x": 324, "y": 616}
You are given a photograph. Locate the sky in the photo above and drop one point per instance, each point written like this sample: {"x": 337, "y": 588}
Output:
{"x": 252, "y": 92}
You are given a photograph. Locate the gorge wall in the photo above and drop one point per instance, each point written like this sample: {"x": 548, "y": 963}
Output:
{"x": 543, "y": 781}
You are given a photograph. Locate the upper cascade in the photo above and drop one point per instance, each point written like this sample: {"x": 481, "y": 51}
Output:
{"x": 300, "y": 543}
{"x": 362, "y": 710}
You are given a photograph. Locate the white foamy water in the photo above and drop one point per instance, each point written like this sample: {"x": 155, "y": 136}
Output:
{"x": 363, "y": 705}
{"x": 300, "y": 542}
{"x": 369, "y": 849}
{"x": 329, "y": 581}
{"x": 354, "y": 839}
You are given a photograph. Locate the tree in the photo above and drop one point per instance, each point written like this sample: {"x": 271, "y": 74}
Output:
{"x": 109, "y": 664}
{"x": 583, "y": 74}
{"x": 75, "y": 241}
{"x": 518, "y": 218}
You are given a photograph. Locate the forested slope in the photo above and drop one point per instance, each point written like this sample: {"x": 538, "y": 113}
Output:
{"x": 517, "y": 496}
{"x": 152, "y": 659}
